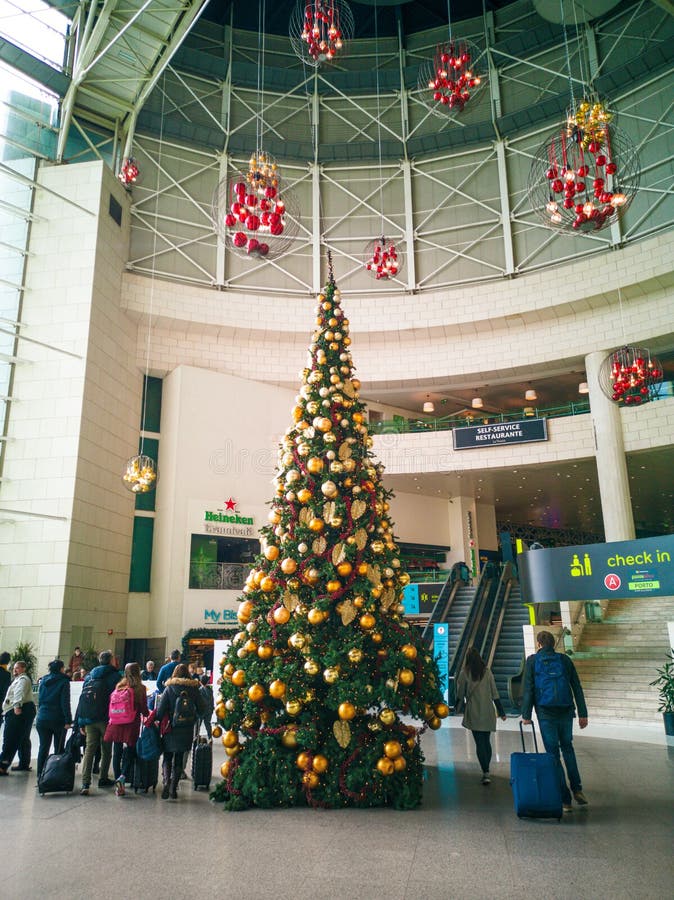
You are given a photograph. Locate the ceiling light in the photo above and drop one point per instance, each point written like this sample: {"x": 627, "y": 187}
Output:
{"x": 583, "y": 388}
{"x": 429, "y": 406}
{"x": 477, "y": 403}
{"x": 529, "y": 411}
{"x": 530, "y": 394}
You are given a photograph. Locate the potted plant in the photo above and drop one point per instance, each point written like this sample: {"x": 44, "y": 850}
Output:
{"x": 665, "y": 685}
{"x": 26, "y": 651}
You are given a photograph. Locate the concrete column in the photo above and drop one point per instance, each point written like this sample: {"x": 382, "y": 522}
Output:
{"x": 616, "y": 503}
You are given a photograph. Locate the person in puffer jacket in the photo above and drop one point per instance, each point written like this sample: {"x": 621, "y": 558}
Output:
{"x": 178, "y": 740}
{"x": 53, "y": 711}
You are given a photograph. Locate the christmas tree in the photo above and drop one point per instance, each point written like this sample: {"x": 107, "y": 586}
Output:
{"x": 314, "y": 685}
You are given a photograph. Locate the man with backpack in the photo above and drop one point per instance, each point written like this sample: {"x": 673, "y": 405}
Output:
{"x": 92, "y": 718}
{"x": 551, "y": 686}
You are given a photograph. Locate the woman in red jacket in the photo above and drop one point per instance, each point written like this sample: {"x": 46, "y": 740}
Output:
{"x": 129, "y": 692}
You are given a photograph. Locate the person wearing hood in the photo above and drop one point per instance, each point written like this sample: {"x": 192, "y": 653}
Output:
{"x": 92, "y": 719}
{"x": 53, "y": 711}
{"x": 182, "y": 704}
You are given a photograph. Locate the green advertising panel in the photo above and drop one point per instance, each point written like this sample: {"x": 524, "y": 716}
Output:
{"x": 621, "y": 569}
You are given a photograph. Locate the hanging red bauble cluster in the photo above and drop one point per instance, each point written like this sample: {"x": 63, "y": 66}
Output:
{"x": 453, "y": 78}
{"x": 257, "y": 208}
{"x": 129, "y": 172}
{"x": 382, "y": 259}
{"x": 590, "y": 172}
{"x": 320, "y": 29}
{"x": 631, "y": 376}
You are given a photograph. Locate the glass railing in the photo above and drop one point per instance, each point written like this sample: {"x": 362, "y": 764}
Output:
{"x": 447, "y": 423}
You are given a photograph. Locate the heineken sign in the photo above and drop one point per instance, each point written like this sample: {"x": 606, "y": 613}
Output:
{"x": 228, "y": 521}
{"x": 522, "y": 432}
{"x": 621, "y": 569}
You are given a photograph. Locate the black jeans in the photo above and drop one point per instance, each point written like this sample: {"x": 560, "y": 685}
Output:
{"x": 17, "y": 736}
{"x": 48, "y": 734}
{"x": 483, "y": 748}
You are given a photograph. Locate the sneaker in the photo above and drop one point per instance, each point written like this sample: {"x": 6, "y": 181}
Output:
{"x": 120, "y": 790}
{"x": 580, "y": 798}
{"x": 105, "y": 782}
{"x": 84, "y": 792}
{"x": 566, "y": 807}
{"x": 486, "y": 779}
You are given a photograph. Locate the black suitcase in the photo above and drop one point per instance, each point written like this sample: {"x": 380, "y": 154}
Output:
{"x": 202, "y": 763}
{"x": 145, "y": 775}
{"x": 58, "y": 774}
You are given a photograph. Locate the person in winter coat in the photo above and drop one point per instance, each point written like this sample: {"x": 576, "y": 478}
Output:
{"x": 183, "y": 705}
{"x": 476, "y": 689}
{"x": 551, "y": 687}
{"x": 126, "y": 734}
{"x": 19, "y": 712}
{"x": 95, "y": 724}
{"x": 53, "y": 711}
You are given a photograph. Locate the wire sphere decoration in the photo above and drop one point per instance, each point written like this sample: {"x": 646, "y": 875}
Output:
{"x": 383, "y": 259}
{"x": 455, "y": 78}
{"x": 140, "y": 474}
{"x": 631, "y": 376}
{"x": 585, "y": 175}
{"x": 253, "y": 213}
{"x": 321, "y": 30}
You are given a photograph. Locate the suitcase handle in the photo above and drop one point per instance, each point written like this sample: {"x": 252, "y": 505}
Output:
{"x": 533, "y": 731}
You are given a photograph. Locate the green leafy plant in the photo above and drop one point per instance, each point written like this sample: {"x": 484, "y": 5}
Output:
{"x": 90, "y": 658}
{"x": 665, "y": 685}
{"x": 25, "y": 651}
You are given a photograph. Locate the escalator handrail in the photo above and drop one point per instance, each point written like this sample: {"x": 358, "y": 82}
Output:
{"x": 498, "y": 609}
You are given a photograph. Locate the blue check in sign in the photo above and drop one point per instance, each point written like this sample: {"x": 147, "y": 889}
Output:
{"x": 441, "y": 653}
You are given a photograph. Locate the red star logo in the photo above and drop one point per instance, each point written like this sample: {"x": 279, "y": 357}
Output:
{"x": 230, "y": 504}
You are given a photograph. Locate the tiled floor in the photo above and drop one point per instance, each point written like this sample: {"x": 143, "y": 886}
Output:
{"x": 464, "y": 842}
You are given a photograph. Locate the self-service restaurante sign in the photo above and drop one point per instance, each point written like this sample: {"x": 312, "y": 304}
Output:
{"x": 620, "y": 569}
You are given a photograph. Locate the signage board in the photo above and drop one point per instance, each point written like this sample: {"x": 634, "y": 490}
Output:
{"x": 620, "y": 569}
{"x": 524, "y": 431}
{"x": 419, "y": 599}
{"x": 441, "y": 653}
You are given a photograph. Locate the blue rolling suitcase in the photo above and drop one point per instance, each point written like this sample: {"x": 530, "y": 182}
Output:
{"x": 534, "y": 778}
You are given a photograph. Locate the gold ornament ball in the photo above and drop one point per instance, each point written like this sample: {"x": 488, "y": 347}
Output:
{"x": 281, "y": 615}
{"x": 230, "y": 706}
{"x": 304, "y": 495}
{"x": 376, "y": 637}
{"x": 311, "y": 780}
{"x": 256, "y": 693}
{"x": 409, "y": 651}
{"x": 392, "y": 749}
{"x": 294, "y": 707}
{"x": 441, "y": 710}
{"x": 233, "y": 751}
{"x": 297, "y": 640}
{"x": 434, "y": 723}
{"x": 320, "y": 763}
{"x": 314, "y": 465}
{"x": 344, "y": 568}
{"x": 387, "y": 716}
{"x": 239, "y": 678}
{"x": 303, "y": 761}
{"x": 220, "y": 710}
{"x": 316, "y": 525}
{"x": 311, "y": 667}
{"x": 367, "y": 621}
{"x": 329, "y": 489}
{"x": 333, "y": 586}
{"x": 399, "y": 763}
{"x": 404, "y": 578}
{"x": 406, "y": 677}
{"x": 331, "y": 675}
{"x": 346, "y": 711}
{"x": 277, "y": 689}
{"x": 289, "y": 738}
{"x": 377, "y": 546}
{"x": 216, "y": 731}
{"x": 229, "y": 738}
{"x": 265, "y": 651}
{"x": 385, "y": 766}
{"x": 316, "y": 616}
{"x": 288, "y": 565}
{"x": 355, "y": 655}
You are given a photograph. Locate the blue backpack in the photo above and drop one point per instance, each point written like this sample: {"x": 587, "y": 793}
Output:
{"x": 148, "y": 745}
{"x": 551, "y": 681}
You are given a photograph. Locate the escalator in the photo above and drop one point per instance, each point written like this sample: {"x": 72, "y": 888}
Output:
{"x": 507, "y": 656}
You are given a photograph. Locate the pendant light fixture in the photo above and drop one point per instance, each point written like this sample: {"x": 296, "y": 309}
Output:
{"x": 477, "y": 403}
{"x": 429, "y": 406}
{"x": 381, "y": 256}
{"x": 583, "y": 388}
{"x": 530, "y": 394}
